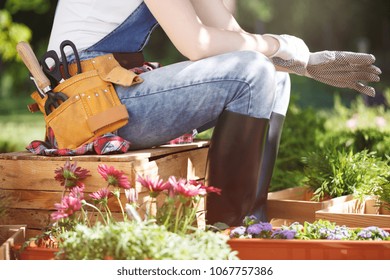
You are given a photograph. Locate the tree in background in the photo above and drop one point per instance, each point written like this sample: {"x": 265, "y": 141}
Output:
{"x": 21, "y": 20}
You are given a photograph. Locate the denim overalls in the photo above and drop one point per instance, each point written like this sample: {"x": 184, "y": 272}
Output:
{"x": 177, "y": 98}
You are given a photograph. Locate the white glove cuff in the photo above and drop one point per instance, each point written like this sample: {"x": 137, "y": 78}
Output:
{"x": 282, "y": 52}
{"x": 291, "y": 48}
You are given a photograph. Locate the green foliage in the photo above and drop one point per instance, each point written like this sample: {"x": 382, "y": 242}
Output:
{"x": 142, "y": 241}
{"x": 299, "y": 136}
{"x": 37, "y": 6}
{"x": 250, "y": 10}
{"x": 332, "y": 172}
{"x": 319, "y": 229}
{"x": 358, "y": 128}
{"x": 10, "y": 34}
{"x": 324, "y": 229}
{"x": 357, "y": 116}
{"x": 18, "y": 130}
{"x": 370, "y": 139}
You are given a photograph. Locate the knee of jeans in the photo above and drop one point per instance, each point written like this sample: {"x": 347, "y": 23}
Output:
{"x": 253, "y": 63}
{"x": 260, "y": 74}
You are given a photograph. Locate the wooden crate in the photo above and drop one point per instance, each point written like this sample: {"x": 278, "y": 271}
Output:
{"x": 10, "y": 235}
{"x": 356, "y": 214}
{"x": 29, "y": 178}
{"x": 294, "y": 205}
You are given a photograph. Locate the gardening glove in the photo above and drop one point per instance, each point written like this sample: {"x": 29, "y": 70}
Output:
{"x": 335, "y": 68}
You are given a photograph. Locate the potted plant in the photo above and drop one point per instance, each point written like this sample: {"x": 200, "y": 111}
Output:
{"x": 320, "y": 240}
{"x": 332, "y": 173}
{"x": 333, "y": 177}
{"x": 173, "y": 204}
{"x": 363, "y": 174}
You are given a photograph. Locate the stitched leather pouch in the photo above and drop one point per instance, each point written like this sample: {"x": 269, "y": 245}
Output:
{"x": 93, "y": 107}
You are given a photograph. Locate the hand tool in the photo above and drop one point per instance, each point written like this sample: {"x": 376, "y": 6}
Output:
{"x": 31, "y": 62}
{"x": 57, "y": 69}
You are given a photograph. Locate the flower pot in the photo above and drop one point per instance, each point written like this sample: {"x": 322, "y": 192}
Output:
{"x": 281, "y": 249}
{"x": 295, "y": 205}
{"x": 34, "y": 253}
{"x": 9, "y": 235}
{"x": 356, "y": 214}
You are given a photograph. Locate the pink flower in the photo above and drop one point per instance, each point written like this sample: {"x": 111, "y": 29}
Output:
{"x": 69, "y": 205}
{"x": 70, "y": 175}
{"x": 155, "y": 185}
{"x": 186, "y": 188}
{"x": 212, "y": 190}
{"x": 114, "y": 177}
{"x": 102, "y": 194}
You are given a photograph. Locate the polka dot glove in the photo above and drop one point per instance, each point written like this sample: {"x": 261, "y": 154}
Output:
{"x": 336, "y": 68}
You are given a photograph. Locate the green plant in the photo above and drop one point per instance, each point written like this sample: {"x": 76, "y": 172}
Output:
{"x": 319, "y": 229}
{"x": 332, "y": 172}
{"x": 357, "y": 116}
{"x": 384, "y": 192}
{"x": 371, "y": 139}
{"x": 299, "y": 137}
{"x": 142, "y": 241}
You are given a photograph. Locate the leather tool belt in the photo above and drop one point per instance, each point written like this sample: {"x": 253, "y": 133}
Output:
{"x": 92, "y": 107}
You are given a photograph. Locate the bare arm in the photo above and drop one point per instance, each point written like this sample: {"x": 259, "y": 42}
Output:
{"x": 203, "y": 28}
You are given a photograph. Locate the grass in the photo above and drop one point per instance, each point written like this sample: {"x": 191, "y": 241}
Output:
{"x": 18, "y": 130}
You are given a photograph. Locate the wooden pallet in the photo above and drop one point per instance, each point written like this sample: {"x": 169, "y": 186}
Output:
{"x": 295, "y": 205}
{"x": 29, "y": 178}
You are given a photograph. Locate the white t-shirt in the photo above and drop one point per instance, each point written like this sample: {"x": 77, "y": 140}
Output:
{"x": 85, "y": 22}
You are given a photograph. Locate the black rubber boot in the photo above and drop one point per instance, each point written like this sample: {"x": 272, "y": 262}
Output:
{"x": 233, "y": 165}
{"x": 267, "y": 165}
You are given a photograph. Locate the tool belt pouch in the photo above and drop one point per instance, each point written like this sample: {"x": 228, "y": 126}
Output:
{"x": 93, "y": 107}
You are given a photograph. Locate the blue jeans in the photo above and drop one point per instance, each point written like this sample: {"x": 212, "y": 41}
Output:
{"x": 175, "y": 99}
{"x": 178, "y": 98}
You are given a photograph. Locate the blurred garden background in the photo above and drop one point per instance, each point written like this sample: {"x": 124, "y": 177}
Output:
{"x": 326, "y": 123}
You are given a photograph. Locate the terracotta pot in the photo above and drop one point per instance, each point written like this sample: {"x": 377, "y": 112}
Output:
{"x": 34, "y": 253}
{"x": 281, "y": 249}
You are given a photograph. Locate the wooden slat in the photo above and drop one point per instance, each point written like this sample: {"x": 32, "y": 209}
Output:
{"x": 189, "y": 165}
{"x": 35, "y": 200}
{"x": 353, "y": 214}
{"x": 355, "y": 220}
{"x": 33, "y": 175}
{"x": 129, "y": 156}
{"x": 40, "y": 219}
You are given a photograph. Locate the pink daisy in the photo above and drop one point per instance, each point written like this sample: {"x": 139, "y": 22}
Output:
{"x": 114, "y": 177}
{"x": 102, "y": 194}
{"x": 186, "y": 188}
{"x": 70, "y": 175}
{"x": 155, "y": 185}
